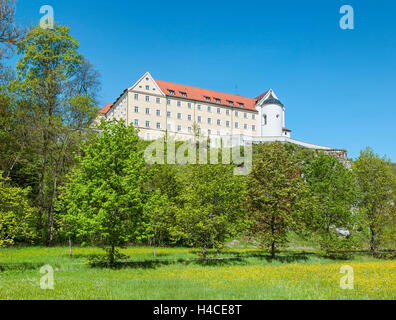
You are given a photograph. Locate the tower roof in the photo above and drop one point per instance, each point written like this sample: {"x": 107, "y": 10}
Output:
{"x": 272, "y": 100}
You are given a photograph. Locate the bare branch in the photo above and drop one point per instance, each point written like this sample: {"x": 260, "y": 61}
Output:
{"x": 10, "y": 33}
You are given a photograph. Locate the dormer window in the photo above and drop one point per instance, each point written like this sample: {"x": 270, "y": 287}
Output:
{"x": 231, "y": 103}
{"x": 207, "y": 99}
{"x": 218, "y": 100}
{"x": 171, "y": 92}
{"x": 241, "y": 105}
{"x": 183, "y": 94}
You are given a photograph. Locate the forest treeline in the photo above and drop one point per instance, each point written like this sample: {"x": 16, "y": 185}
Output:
{"x": 62, "y": 181}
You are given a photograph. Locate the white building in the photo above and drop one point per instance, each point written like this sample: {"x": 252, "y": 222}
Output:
{"x": 158, "y": 107}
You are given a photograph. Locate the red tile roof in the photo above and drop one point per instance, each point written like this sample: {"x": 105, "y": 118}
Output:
{"x": 198, "y": 94}
{"x": 106, "y": 109}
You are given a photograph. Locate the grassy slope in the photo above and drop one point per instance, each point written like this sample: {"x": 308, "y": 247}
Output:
{"x": 305, "y": 277}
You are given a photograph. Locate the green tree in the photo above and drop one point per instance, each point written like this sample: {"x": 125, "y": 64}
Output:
{"x": 108, "y": 190}
{"x": 210, "y": 206}
{"x": 377, "y": 184}
{"x": 275, "y": 195}
{"x": 334, "y": 201}
{"x": 52, "y": 110}
{"x": 157, "y": 219}
{"x": 15, "y": 213}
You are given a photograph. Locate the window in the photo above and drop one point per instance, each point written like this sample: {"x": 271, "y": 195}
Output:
{"x": 147, "y": 87}
{"x": 189, "y": 129}
{"x": 227, "y": 112}
{"x": 241, "y": 105}
{"x": 136, "y": 123}
{"x": 265, "y": 119}
{"x": 183, "y": 94}
{"x": 209, "y": 132}
{"x": 179, "y": 116}
{"x": 136, "y": 96}
{"x": 236, "y": 125}
{"x": 189, "y": 117}
{"x": 189, "y": 105}
{"x": 209, "y": 120}
{"x": 147, "y": 79}
{"x": 158, "y": 125}
{"x": 209, "y": 109}
{"x": 179, "y": 128}
{"x": 199, "y": 107}
{"x": 147, "y": 124}
{"x": 148, "y": 98}
{"x": 218, "y": 110}
{"x": 245, "y": 115}
{"x": 245, "y": 126}
{"x": 147, "y": 110}
{"x": 136, "y": 109}
{"x": 217, "y": 100}
{"x": 253, "y": 116}
{"x": 169, "y": 114}
{"x": 169, "y": 126}
{"x": 199, "y": 119}
{"x": 148, "y": 136}
{"x": 178, "y": 103}
{"x": 168, "y": 102}
{"x": 236, "y": 114}
{"x": 219, "y": 122}
{"x": 158, "y": 100}
{"x": 254, "y": 128}
{"x": 158, "y": 112}
{"x": 171, "y": 92}
{"x": 230, "y": 103}
{"x": 228, "y": 123}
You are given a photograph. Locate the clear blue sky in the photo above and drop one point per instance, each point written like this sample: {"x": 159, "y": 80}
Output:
{"x": 338, "y": 86}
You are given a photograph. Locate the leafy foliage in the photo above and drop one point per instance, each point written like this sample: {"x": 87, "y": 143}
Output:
{"x": 107, "y": 191}
{"x": 377, "y": 184}
{"x": 211, "y": 206}
{"x": 15, "y": 213}
{"x": 334, "y": 202}
{"x": 275, "y": 195}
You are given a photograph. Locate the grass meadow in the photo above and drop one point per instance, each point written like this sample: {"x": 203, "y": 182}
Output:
{"x": 168, "y": 276}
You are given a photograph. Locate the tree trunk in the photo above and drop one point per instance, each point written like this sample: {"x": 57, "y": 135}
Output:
{"x": 273, "y": 250}
{"x": 41, "y": 187}
{"x": 372, "y": 241}
{"x": 112, "y": 253}
{"x": 204, "y": 254}
{"x": 50, "y": 215}
{"x": 70, "y": 248}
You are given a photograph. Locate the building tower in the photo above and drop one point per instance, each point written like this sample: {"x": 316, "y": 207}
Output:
{"x": 271, "y": 116}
